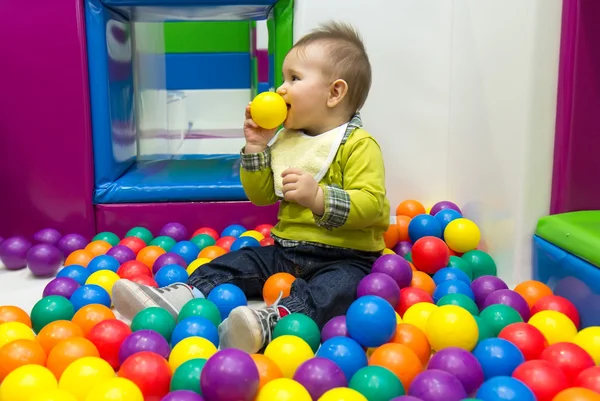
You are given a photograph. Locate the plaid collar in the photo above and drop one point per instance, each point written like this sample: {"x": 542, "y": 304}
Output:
{"x": 355, "y": 122}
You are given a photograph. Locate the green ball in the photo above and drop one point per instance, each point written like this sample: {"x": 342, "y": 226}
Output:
{"x": 142, "y": 233}
{"x": 485, "y": 330}
{"x": 203, "y": 240}
{"x": 50, "y": 309}
{"x": 460, "y": 300}
{"x": 481, "y": 263}
{"x": 408, "y": 257}
{"x": 201, "y": 307}
{"x": 164, "y": 242}
{"x": 187, "y": 376}
{"x": 461, "y": 264}
{"x": 107, "y": 236}
{"x": 299, "y": 325}
{"x": 376, "y": 383}
{"x": 498, "y": 316}
{"x": 154, "y": 318}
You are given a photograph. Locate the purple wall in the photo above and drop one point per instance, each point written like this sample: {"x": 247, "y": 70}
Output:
{"x": 576, "y": 175}
{"x": 45, "y": 135}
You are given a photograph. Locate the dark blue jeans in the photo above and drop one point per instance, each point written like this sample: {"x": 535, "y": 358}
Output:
{"x": 326, "y": 279}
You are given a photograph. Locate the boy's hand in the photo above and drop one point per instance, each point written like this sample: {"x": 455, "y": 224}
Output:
{"x": 302, "y": 188}
{"x": 256, "y": 138}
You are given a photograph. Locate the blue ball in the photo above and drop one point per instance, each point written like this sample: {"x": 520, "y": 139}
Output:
{"x": 195, "y": 326}
{"x": 234, "y": 230}
{"x": 76, "y": 272}
{"x": 452, "y": 287}
{"x": 227, "y": 297}
{"x": 346, "y": 353}
{"x": 371, "y": 321}
{"x": 243, "y": 242}
{"x": 170, "y": 274}
{"x": 103, "y": 262}
{"x": 450, "y": 273}
{"x": 424, "y": 225}
{"x": 504, "y": 388}
{"x": 444, "y": 217}
{"x": 187, "y": 250}
{"x": 498, "y": 357}
{"x": 90, "y": 294}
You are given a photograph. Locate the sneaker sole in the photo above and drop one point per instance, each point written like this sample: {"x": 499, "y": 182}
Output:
{"x": 241, "y": 335}
{"x": 129, "y": 299}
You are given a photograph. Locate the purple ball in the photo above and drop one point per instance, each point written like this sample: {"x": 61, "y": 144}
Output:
{"x": 444, "y": 205}
{"x": 47, "y": 236}
{"x": 177, "y": 231}
{"x": 44, "y": 260}
{"x": 403, "y": 248}
{"x": 182, "y": 395}
{"x": 168, "y": 258}
{"x": 396, "y": 267}
{"x": 63, "y": 286}
{"x": 437, "y": 385}
{"x": 13, "y": 252}
{"x": 144, "y": 340}
{"x": 121, "y": 253}
{"x": 509, "y": 298}
{"x": 484, "y": 286}
{"x": 335, "y": 327}
{"x": 319, "y": 375}
{"x": 381, "y": 285}
{"x": 71, "y": 242}
{"x": 406, "y": 398}
{"x": 1, "y": 240}
{"x": 460, "y": 363}
{"x": 230, "y": 374}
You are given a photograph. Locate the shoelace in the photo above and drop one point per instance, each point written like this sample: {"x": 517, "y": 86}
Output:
{"x": 269, "y": 317}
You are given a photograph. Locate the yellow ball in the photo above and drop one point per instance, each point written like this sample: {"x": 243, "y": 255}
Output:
{"x": 452, "y": 326}
{"x": 268, "y": 110}
{"x": 398, "y": 318}
{"x": 342, "y": 394}
{"x": 283, "y": 389}
{"x": 115, "y": 389}
{"x": 555, "y": 326}
{"x": 190, "y": 348}
{"x": 27, "y": 381}
{"x": 196, "y": 264}
{"x": 11, "y": 331}
{"x": 388, "y": 251}
{"x": 254, "y": 234}
{"x": 54, "y": 395}
{"x": 462, "y": 235}
{"x": 288, "y": 352}
{"x": 418, "y": 314}
{"x": 589, "y": 340}
{"x": 105, "y": 279}
{"x": 83, "y": 374}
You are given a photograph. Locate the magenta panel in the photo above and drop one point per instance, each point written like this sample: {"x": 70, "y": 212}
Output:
{"x": 262, "y": 59}
{"x": 46, "y": 177}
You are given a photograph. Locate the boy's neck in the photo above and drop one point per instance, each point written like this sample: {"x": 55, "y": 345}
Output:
{"x": 331, "y": 123}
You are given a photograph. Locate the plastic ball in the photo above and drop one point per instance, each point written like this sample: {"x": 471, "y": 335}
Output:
{"x": 444, "y": 217}
{"x": 267, "y": 241}
{"x": 410, "y": 208}
{"x": 424, "y": 225}
{"x": 225, "y": 242}
{"x": 376, "y": 383}
{"x": 576, "y": 394}
{"x": 192, "y": 267}
{"x": 171, "y": 274}
{"x": 267, "y": 369}
{"x": 76, "y": 272}
{"x": 10, "y": 313}
{"x": 234, "y": 230}
{"x": 482, "y": 264}
{"x": 396, "y": 267}
{"x": 415, "y": 339}
{"x": 288, "y": 352}
{"x": 530, "y": 341}
{"x": 149, "y": 372}
{"x": 483, "y": 286}
{"x": 371, "y": 321}
{"x": 105, "y": 279}
{"x": 71, "y": 242}
{"x": 27, "y": 381}
{"x": 90, "y": 315}
{"x": 335, "y": 327}
{"x": 83, "y": 374}
{"x": 498, "y": 316}
{"x": 134, "y": 243}
{"x": 187, "y": 376}
{"x": 50, "y": 309}
{"x": 555, "y": 326}
{"x": 63, "y": 286}
{"x": 140, "y": 232}
{"x": 44, "y": 260}
{"x": 510, "y": 298}
{"x": 115, "y": 389}
{"x": 569, "y": 357}
{"x": 154, "y": 318}
{"x": 164, "y": 242}
{"x": 195, "y": 326}
{"x": 203, "y": 240}
{"x": 108, "y": 336}
{"x": 177, "y": 231}
{"x": 283, "y": 389}
{"x": 402, "y": 248}
{"x": 200, "y": 307}
{"x": 121, "y": 253}
{"x": 227, "y": 297}
{"x": 190, "y": 348}
{"x": 68, "y": 351}
{"x": 460, "y": 300}
{"x": 53, "y": 395}
{"x": 107, "y": 236}
{"x": 98, "y": 247}
{"x": 299, "y": 325}
{"x": 182, "y": 395}
{"x": 12, "y": 331}
{"x": 542, "y": 378}
{"x": 319, "y": 375}
{"x": 450, "y": 273}
{"x": 149, "y": 254}
{"x": 187, "y": 250}
{"x": 558, "y": 304}
{"x": 430, "y": 254}
{"x": 589, "y": 378}
{"x": 437, "y": 385}
{"x": 244, "y": 242}
{"x": 410, "y": 296}
{"x": 13, "y": 252}
{"x": 19, "y": 353}
{"x": 90, "y": 294}
{"x": 345, "y": 352}
{"x": 461, "y": 264}
{"x": 230, "y": 374}
{"x": 498, "y": 357}
{"x": 133, "y": 268}
{"x": 47, "y": 236}
{"x": 144, "y": 280}
{"x": 268, "y": 110}
{"x": 589, "y": 340}
{"x": 444, "y": 205}
{"x": 79, "y": 257}
{"x": 462, "y": 235}
{"x": 400, "y": 360}
{"x": 57, "y": 331}
{"x": 418, "y": 314}
{"x": 254, "y": 234}
{"x": 212, "y": 252}
{"x": 276, "y": 285}
{"x": 144, "y": 341}
{"x": 168, "y": 258}
{"x": 461, "y": 364}
{"x": 381, "y": 285}
{"x": 532, "y": 291}
{"x": 452, "y": 287}
{"x": 451, "y": 326}
{"x": 504, "y": 388}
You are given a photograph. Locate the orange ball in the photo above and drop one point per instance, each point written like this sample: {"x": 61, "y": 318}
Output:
{"x": 410, "y": 208}
{"x": 400, "y": 360}
{"x": 98, "y": 247}
{"x": 414, "y": 338}
{"x": 68, "y": 351}
{"x": 212, "y": 252}
{"x": 9, "y": 313}
{"x": 275, "y": 285}
{"x": 90, "y": 315}
{"x": 391, "y": 236}
{"x": 267, "y": 369}
{"x": 533, "y": 291}
{"x": 577, "y": 394}
{"x": 79, "y": 257}
{"x": 402, "y": 226}
{"x": 149, "y": 254}
{"x": 423, "y": 281}
{"x": 55, "y": 332}
{"x": 18, "y": 353}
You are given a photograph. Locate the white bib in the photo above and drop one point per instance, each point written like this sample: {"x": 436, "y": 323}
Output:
{"x": 312, "y": 154}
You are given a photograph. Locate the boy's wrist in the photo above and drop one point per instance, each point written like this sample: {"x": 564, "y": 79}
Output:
{"x": 318, "y": 206}
{"x": 254, "y": 148}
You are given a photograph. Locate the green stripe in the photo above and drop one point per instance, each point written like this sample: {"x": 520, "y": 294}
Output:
{"x": 207, "y": 37}
{"x": 284, "y": 35}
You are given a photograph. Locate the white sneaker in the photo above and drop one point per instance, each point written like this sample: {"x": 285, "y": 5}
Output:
{"x": 248, "y": 329}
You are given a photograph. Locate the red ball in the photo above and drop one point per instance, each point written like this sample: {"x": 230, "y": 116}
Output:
{"x": 133, "y": 243}
{"x": 526, "y": 337}
{"x": 150, "y": 372}
{"x": 410, "y": 296}
{"x": 208, "y": 231}
{"x": 569, "y": 357}
{"x": 264, "y": 229}
{"x": 267, "y": 241}
{"x": 225, "y": 242}
{"x": 144, "y": 280}
{"x": 430, "y": 254}
{"x": 589, "y": 378}
{"x": 559, "y": 304}
{"x": 542, "y": 378}
{"x": 108, "y": 336}
{"x": 133, "y": 268}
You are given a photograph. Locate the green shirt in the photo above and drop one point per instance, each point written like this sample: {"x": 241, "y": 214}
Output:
{"x": 357, "y": 211}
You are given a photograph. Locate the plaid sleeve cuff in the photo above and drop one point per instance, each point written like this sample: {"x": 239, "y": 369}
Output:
{"x": 337, "y": 208}
{"x": 256, "y": 161}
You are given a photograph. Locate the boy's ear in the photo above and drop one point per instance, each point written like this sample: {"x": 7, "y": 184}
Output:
{"x": 337, "y": 92}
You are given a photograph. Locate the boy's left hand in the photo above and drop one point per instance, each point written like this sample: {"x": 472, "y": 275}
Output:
{"x": 302, "y": 188}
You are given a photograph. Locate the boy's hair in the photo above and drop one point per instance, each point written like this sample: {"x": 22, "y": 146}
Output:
{"x": 348, "y": 59}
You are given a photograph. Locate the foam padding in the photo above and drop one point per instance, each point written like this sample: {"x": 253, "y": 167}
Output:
{"x": 575, "y": 232}
{"x": 208, "y": 71}
{"x": 207, "y": 37}
{"x": 197, "y": 178}
{"x": 569, "y": 277}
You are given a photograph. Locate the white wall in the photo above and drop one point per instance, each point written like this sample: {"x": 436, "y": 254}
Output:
{"x": 463, "y": 104}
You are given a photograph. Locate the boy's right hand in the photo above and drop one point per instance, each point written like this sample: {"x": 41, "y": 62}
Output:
{"x": 257, "y": 138}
